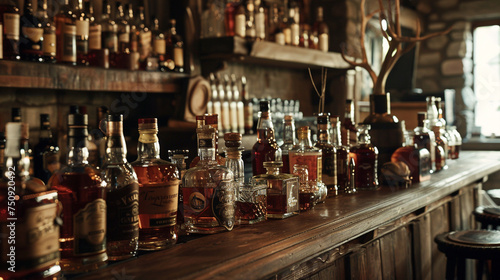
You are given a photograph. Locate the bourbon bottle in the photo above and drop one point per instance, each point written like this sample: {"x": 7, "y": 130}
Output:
{"x": 208, "y": 190}
{"x": 342, "y": 157}
{"x": 304, "y": 153}
{"x": 30, "y": 43}
{"x": 329, "y": 154}
{"x": 348, "y": 131}
{"x": 65, "y": 35}
{"x": 46, "y": 155}
{"x": 417, "y": 159}
{"x": 266, "y": 148}
{"x": 365, "y": 156}
{"x": 282, "y": 191}
{"x": 158, "y": 191}
{"x": 10, "y": 21}
{"x": 424, "y": 138}
{"x": 123, "y": 194}
{"x": 82, "y": 22}
{"x": 288, "y": 142}
{"x": 82, "y": 193}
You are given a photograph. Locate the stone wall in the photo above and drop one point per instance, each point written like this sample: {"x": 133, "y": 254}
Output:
{"x": 445, "y": 62}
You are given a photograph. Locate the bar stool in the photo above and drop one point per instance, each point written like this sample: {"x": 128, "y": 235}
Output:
{"x": 481, "y": 245}
{"x": 488, "y": 216}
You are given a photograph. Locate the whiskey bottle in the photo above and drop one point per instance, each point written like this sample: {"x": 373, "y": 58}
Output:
{"x": 65, "y": 35}
{"x": 33, "y": 215}
{"x": 109, "y": 35}
{"x": 425, "y": 138}
{"x": 260, "y": 20}
{"x": 227, "y": 113}
{"x": 208, "y": 190}
{"x": 247, "y": 106}
{"x": 365, "y": 156}
{"x": 442, "y": 123}
{"x": 294, "y": 27}
{"x": 158, "y": 191}
{"x": 288, "y": 142}
{"x": 250, "y": 31}
{"x": 320, "y": 31}
{"x": 441, "y": 147}
{"x": 240, "y": 20}
{"x": 97, "y": 56}
{"x": 10, "y": 21}
{"x": 342, "y": 157}
{"x": 82, "y": 193}
{"x": 122, "y": 199}
{"x": 307, "y": 191}
{"x": 266, "y": 148}
{"x": 304, "y": 153}
{"x": 49, "y": 34}
{"x": 30, "y": 42}
{"x": 348, "y": 128}
{"x": 144, "y": 39}
{"x": 229, "y": 16}
{"x": 175, "y": 47}
{"x": 82, "y": 23}
{"x": 417, "y": 159}
{"x": 456, "y": 142}
{"x": 179, "y": 157}
{"x": 46, "y": 155}
{"x": 240, "y": 106}
{"x": 123, "y": 30}
{"x": 159, "y": 46}
{"x": 282, "y": 191}
{"x": 329, "y": 154}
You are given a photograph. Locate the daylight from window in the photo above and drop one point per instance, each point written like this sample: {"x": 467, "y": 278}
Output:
{"x": 487, "y": 79}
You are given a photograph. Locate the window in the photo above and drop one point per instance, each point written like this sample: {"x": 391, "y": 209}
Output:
{"x": 487, "y": 78}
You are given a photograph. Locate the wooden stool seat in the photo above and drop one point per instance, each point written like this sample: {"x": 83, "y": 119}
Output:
{"x": 487, "y": 216}
{"x": 481, "y": 245}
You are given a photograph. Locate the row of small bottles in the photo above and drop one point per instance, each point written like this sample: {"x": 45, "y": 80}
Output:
{"x": 74, "y": 36}
{"x": 284, "y": 23}
{"x": 236, "y": 110}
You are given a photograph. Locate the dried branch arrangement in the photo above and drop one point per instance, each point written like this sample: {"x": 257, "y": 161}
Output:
{"x": 395, "y": 38}
{"x": 321, "y": 94}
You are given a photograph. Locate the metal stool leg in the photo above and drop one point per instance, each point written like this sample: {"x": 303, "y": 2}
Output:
{"x": 461, "y": 268}
{"x": 451, "y": 262}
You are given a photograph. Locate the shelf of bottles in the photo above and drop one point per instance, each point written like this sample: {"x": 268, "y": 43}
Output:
{"x": 67, "y": 47}
{"x": 267, "y": 33}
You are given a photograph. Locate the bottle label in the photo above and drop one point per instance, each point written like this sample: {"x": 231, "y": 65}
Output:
{"x": 144, "y": 44}
{"x": 279, "y": 38}
{"x": 123, "y": 213}
{"x": 314, "y": 163}
{"x": 288, "y": 35}
{"x": 124, "y": 37}
{"x": 51, "y": 162}
{"x": 37, "y": 238}
{"x": 197, "y": 202}
{"x": 95, "y": 37}
{"x": 160, "y": 199}
{"x": 159, "y": 46}
{"x": 260, "y": 25}
{"x": 89, "y": 228}
{"x": 82, "y": 28}
{"x": 179, "y": 57}
{"x": 69, "y": 47}
{"x": 295, "y": 34}
{"x": 249, "y": 116}
{"x": 49, "y": 44}
{"x": 110, "y": 41}
{"x": 323, "y": 42}
{"x": 33, "y": 34}
{"x": 12, "y": 26}
{"x": 223, "y": 203}
{"x": 239, "y": 25}
{"x": 292, "y": 195}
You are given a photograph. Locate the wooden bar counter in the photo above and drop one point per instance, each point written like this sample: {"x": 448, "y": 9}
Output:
{"x": 380, "y": 234}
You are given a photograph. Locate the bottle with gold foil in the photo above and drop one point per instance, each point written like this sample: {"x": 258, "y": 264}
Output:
{"x": 329, "y": 154}
{"x": 123, "y": 194}
{"x": 282, "y": 191}
{"x": 208, "y": 190}
{"x": 82, "y": 193}
{"x": 158, "y": 191}
{"x": 29, "y": 209}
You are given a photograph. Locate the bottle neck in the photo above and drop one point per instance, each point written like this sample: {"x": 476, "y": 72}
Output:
{"x": 16, "y": 156}
{"x": 78, "y": 153}
{"x": 323, "y": 136}
{"x": 233, "y": 153}
{"x": 272, "y": 171}
{"x": 46, "y": 133}
{"x": 364, "y": 137}
{"x": 336, "y": 134}
{"x": 289, "y": 133}
{"x": 149, "y": 145}
{"x": 116, "y": 148}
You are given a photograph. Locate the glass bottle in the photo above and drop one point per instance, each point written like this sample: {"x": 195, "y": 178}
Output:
{"x": 212, "y": 121}
{"x": 46, "y": 152}
{"x": 365, "y": 156}
{"x": 144, "y": 39}
{"x": 240, "y": 20}
{"x": 49, "y": 34}
{"x": 208, "y": 190}
{"x": 175, "y": 48}
{"x": 35, "y": 218}
{"x": 348, "y": 127}
{"x": 10, "y": 20}
{"x": 248, "y": 106}
{"x": 82, "y": 193}
{"x": 179, "y": 157}
{"x": 266, "y": 148}
{"x": 320, "y": 31}
{"x": 457, "y": 142}
{"x": 260, "y": 20}
{"x": 304, "y": 153}
{"x": 292, "y": 31}
{"x": 30, "y": 42}
{"x": 240, "y": 106}
{"x": 288, "y": 142}
{"x": 97, "y": 55}
{"x": 229, "y": 16}
{"x": 342, "y": 157}
{"x": 15, "y": 114}
{"x": 65, "y": 35}
{"x": 432, "y": 111}
{"x": 329, "y": 154}
{"x": 122, "y": 194}
{"x": 82, "y": 23}
{"x": 133, "y": 22}
{"x": 307, "y": 191}
{"x": 441, "y": 147}
{"x": 109, "y": 35}
{"x": 442, "y": 122}
{"x": 158, "y": 181}
{"x": 123, "y": 30}
{"x": 274, "y": 29}
{"x": 417, "y": 159}
{"x": 159, "y": 45}
{"x": 282, "y": 191}
{"x": 424, "y": 138}
{"x": 250, "y": 31}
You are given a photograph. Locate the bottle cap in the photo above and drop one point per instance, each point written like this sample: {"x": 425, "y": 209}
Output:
{"x": 323, "y": 118}
{"x": 264, "y": 106}
{"x": 44, "y": 120}
{"x": 16, "y": 114}
{"x": 148, "y": 123}
{"x": 77, "y": 119}
{"x": 288, "y": 118}
{"x": 115, "y": 118}
{"x": 211, "y": 119}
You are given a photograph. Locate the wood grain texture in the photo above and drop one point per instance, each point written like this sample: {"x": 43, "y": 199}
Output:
{"x": 332, "y": 229}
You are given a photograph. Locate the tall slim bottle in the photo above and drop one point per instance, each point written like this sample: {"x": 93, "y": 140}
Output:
{"x": 144, "y": 39}
{"x": 123, "y": 194}
{"x": 329, "y": 154}
{"x": 82, "y": 23}
{"x": 82, "y": 193}
{"x": 158, "y": 191}
{"x": 65, "y": 35}
{"x": 342, "y": 157}
{"x": 425, "y": 138}
{"x": 247, "y": 105}
{"x": 97, "y": 56}
{"x": 348, "y": 132}
{"x": 109, "y": 37}
{"x": 175, "y": 47}
{"x": 46, "y": 155}
{"x": 10, "y": 21}
{"x": 30, "y": 43}
{"x": 266, "y": 148}
{"x": 49, "y": 33}
{"x": 365, "y": 156}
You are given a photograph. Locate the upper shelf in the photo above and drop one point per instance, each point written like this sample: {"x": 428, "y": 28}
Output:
{"x": 269, "y": 53}
{"x": 20, "y": 74}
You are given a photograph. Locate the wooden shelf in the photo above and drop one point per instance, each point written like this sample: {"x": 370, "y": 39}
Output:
{"x": 20, "y": 74}
{"x": 269, "y": 54}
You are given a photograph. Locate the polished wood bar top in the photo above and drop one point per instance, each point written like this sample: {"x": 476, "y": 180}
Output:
{"x": 259, "y": 251}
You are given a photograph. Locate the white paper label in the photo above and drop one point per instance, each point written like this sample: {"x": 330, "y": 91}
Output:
{"x": 12, "y": 24}
{"x": 82, "y": 28}
{"x": 323, "y": 42}
{"x": 239, "y": 25}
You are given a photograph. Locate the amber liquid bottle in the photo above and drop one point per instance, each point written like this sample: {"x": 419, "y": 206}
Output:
{"x": 175, "y": 48}
{"x": 417, "y": 159}
{"x": 46, "y": 155}
{"x": 320, "y": 32}
{"x": 82, "y": 193}
{"x": 10, "y": 21}
{"x": 424, "y": 138}
{"x": 266, "y": 148}
{"x": 342, "y": 157}
{"x": 288, "y": 142}
{"x": 30, "y": 44}
{"x": 329, "y": 154}
{"x": 158, "y": 191}
{"x": 365, "y": 159}
{"x": 109, "y": 37}
{"x": 247, "y": 106}
{"x": 82, "y": 23}
{"x": 348, "y": 131}
{"x": 49, "y": 34}
{"x": 65, "y": 35}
